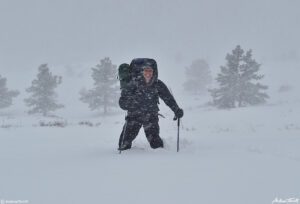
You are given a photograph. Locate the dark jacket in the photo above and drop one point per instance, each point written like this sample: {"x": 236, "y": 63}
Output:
{"x": 139, "y": 99}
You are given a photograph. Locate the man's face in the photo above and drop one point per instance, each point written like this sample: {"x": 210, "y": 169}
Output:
{"x": 147, "y": 73}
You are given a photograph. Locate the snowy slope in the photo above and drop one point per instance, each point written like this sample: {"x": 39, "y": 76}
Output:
{"x": 241, "y": 156}
{"x": 246, "y": 155}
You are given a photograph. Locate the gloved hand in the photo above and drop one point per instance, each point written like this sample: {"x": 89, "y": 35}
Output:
{"x": 179, "y": 113}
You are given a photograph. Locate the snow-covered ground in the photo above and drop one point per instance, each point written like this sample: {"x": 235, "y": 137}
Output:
{"x": 246, "y": 155}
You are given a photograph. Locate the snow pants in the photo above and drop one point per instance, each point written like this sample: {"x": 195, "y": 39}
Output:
{"x": 151, "y": 128}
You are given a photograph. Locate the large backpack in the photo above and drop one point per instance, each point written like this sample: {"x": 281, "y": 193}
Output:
{"x": 124, "y": 74}
{"x": 128, "y": 72}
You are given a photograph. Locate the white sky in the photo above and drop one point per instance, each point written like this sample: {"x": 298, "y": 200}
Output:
{"x": 61, "y": 32}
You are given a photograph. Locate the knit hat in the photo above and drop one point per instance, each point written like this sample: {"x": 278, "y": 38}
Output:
{"x": 147, "y": 67}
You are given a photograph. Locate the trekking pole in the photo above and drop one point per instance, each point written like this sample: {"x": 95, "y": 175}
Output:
{"x": 123, "y": 136}
{"x": 178, "y": 127}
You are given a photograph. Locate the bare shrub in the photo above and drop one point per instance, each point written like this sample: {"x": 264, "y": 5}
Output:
{"x": 6, "y": 126}
{"x": 53, "y": 124}
{"x": 284, "y": 88}
{"x": 86, "y": 123}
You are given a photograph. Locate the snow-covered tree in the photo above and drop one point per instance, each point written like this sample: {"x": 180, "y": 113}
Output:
{"x": 238, "y": 81}
{"x": 42, "y": 99}
{"x": 6, "y": 96}
{"x": 198, "y": 77}
{"x": 105, "y": 92}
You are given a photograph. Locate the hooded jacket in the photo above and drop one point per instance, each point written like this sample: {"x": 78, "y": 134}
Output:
{"x": 138, "y": 98}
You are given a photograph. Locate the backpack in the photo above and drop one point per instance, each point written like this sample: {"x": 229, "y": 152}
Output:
{"x": 124, "y": 74}
{"x": 128, "y": 72}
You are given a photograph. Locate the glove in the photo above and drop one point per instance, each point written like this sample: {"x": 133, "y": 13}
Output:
{"x": 179, "y": 113}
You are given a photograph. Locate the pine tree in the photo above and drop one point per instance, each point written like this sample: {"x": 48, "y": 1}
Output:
{"x": 198, "y": 77}
{"x": 42, "y": 99}
{"x": 236, "y": 80}
{"x": 105, "y": 91}
{"x": 6, "y": 96}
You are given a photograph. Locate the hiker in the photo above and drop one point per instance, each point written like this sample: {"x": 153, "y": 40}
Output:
{"x": 140, "y": 98}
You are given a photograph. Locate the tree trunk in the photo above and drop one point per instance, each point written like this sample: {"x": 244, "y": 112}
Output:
{"x": 105, "y": 109}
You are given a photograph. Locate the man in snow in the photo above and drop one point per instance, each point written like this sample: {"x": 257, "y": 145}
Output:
{"x": 140, "y": 98}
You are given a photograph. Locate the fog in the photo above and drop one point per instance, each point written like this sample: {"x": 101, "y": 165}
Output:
{"x": 78, "y": 32}
{"x": 72, "y": 36}
{"x": 224, "y": 154}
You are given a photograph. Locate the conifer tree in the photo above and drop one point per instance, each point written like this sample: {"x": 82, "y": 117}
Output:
{"x": 6, "y": 96}
{"x": 105, "y": 92}
{"x": 238, "y": 81}
{"x": 198, "y": 77}
{"x": 42, "y": 99}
